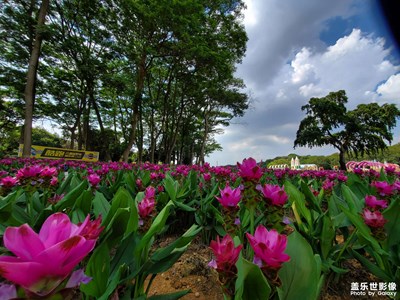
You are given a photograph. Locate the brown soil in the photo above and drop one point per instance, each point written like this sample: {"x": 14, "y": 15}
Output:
{"x": 191, "y": 271}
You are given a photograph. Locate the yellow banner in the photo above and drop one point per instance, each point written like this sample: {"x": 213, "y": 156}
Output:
{"x": 58, "y": 153}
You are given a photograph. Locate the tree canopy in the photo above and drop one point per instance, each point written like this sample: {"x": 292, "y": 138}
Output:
{"x": 153, "y": 76}
{"x": 366, "y": 129}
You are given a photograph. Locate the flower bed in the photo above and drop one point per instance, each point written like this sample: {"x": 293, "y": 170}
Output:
{"x": 273, "y": 233}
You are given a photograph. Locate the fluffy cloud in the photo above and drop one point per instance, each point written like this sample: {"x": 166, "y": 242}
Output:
{"x": 287, "y": 64}
{"x": 390, "y": 90}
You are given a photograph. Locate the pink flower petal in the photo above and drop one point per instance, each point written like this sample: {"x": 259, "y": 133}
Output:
{"x": 65, "y": 255}
{"x": 23, "y": 242}
{"x": 55, "y": 229}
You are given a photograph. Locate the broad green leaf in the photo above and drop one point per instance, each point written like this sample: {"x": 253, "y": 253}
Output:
{"x": 171, "y": 187}
{"x": 6, "y": 209}
{"x": 117, "y": 226}
{"x": 327, "y": 236}
{"x": 98, "y": 268}
{"x": 373, "y": 268}
{"x": 164, "y": 258}
{"x": 100, "y": 205}
{"x": 251, "y": 283}
{"x": 125, "y": 253}
{"x": 156, "y": 226}
{"x": 183, "y": 206}
{"x": 122, "y": 199}
{"x": 65, "y": 185}
{"x": 84, "y": 202}
{"x": 112, "y": 283}
{"x": 363, "y": 229}
{"x": 310, "y": 196}
{"x": 301, "y": 275}
{"x": 70, "y": 198}
{"x": 78, "y": 216}
{"x": 295, "y": 196}
{"x": 392, "y": 227}
{"x": 355, "y": 204}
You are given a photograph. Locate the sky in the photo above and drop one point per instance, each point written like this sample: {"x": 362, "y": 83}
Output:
{"x": 299, "y": 49}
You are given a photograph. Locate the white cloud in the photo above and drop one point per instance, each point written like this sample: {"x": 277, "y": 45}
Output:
{"x": 287, "y": 64}
{"x": 302, "y": 68}
{"x": 390, "y": 90}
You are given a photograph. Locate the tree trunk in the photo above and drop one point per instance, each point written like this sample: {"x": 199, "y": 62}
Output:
{"x": 30, "y": 87}
{"x": 137, "y": 99}
{"x": 106, "y": 143}
{"x": 342, "y": 161}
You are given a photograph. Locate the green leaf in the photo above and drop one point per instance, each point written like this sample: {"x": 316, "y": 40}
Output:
{"x": 298, "y": 198}
{"x": 363, "y": 229}
{"x": 125, "y": 252}
{"x": 373, "y": 268}
{"x": 162, "y": 259}
{"x": 116, "y": 229}
{"x": 84, "y": 202}
{"x": 392, "y": 227}
{"x": 251, "y": 283}
{"x": 355, "y": 204}
{"x": 327, "y": 236}
{"x": 310, "y": 196}
{"x": 112, "y": 283}
{"x": 171, "y": 187}
{"x": 98, "y": 268}
{"x": 183, "y": 206}
{"x": 70, "y": 198}
{"x": 65, "y": 185}
{"x": 301, "y": 275}
{"x": 100, "y": 205}
{"x": 6, "y": 209}
{"x": 156, "y": 226}
{"x": 122, "y": 199}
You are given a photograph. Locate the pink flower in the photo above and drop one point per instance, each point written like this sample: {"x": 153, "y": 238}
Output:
{"x": 249, "y": 170}
{"x": 342, "y": 178}
{"x": 8, "y": 182}
{"x": 150, "y": 192}
{"x": 374, "y": 203}
{"x": 226, "y": 255}
{"x": 390, "y": 169}
{"x": 373, "y": 219}
{"x": 328, "y": 185}
{"x": 29, "y": 172}
{"x": 268, "y": 247}
{"x": 396, "y": 186}
{"x": 207, "y": 176}
{"x": 42, "y": 261}
{"x": 275, "y": 194}
{"x": 94, "y": 179}
{"x": 229, "y": 197}
{"x": 146, "y": 207}
{"x": 383, "y": 188}
{"x": 48, "y": 172}
{"x": 53, "y": 181}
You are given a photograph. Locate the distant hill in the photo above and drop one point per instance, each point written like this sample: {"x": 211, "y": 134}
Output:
{"x": 391, "y": 154}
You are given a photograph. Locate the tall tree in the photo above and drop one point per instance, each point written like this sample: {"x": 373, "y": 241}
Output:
{"x": 362, "y": 130}
{"x": 30, "y": 87}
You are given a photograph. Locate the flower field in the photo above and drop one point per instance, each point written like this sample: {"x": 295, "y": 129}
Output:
{"x": 90, "y": 230}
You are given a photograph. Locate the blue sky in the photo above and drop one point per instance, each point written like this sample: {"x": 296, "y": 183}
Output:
{"x": 299, "y": 49}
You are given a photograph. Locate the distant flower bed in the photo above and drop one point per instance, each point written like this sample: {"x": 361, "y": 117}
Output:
{"x": 70, "y": 226}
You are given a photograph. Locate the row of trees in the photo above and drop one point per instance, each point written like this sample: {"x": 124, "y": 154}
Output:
{"x": 155, "y": 75}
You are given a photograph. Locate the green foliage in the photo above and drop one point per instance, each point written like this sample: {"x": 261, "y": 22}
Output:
{"x": 301, "y": 276}
{"x": 362, "y": 130}
{"x": 161, "y": 79}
